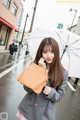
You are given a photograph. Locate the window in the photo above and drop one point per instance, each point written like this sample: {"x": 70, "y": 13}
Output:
{"x": 14, "y": 9}
{"x": 7, "y": 3}
{"x": 4, "y": 34}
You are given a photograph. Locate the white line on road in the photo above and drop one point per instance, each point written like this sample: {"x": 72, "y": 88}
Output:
{"x": 6, "y": 65}
{"x": 71, "y": 86}
{"x": 11, "y": 68}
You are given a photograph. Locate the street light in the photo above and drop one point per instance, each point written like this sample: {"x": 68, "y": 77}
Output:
{"x": 36, "y": 1}
{"x": 20, "y": 43}
{"x": 24, "y": 28}
{"x": 73, "y": 17}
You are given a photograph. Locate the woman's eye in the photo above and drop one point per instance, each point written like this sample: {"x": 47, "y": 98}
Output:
{"x": 52, "y": 52}
{"x": 44, "y": 52}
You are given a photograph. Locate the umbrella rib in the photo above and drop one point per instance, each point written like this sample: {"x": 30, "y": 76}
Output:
{"x": 60, "y": 38}
{"x": 67, "y": 39}
{"x": 69, "y": 59}
{"x": 35, "y": 37}
{"x": 73, "y": 43}
{"x": 73, "y": 48}
{"x": 72, "y": 52}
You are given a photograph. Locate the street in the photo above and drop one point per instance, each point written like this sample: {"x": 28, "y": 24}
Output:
{"x": 23, "y": 25}
{"x": 11, "y": 91}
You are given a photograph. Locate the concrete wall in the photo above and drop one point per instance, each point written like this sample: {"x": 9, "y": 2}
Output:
{"x": 78, "y": 26}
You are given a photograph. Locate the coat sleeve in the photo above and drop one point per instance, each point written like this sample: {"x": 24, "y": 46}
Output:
{"x": 27, "y": 89}
{"x": 54, "y": 95}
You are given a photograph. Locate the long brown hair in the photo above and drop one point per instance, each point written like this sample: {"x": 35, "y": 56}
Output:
{"x": 56, "y": 70}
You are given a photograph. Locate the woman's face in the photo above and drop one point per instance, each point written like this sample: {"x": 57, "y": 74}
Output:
{"x": 48, "y": 54}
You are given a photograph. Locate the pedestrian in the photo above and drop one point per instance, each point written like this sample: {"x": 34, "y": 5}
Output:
{"x": 16, "y": 48}
{"x": 43, "y": 106}
{"x": 12, "y": 48}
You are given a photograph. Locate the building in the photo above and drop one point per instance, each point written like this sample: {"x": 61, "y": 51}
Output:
{"x": 18, "y": 35}
{"x": 75, "y": 28}
{"x": 9, "y": 15}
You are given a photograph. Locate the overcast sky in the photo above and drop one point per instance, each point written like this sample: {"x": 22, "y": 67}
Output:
{"x": 49, "y": 13}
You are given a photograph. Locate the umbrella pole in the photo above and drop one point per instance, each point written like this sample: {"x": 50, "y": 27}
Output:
{"x": 64, "y": 51}
{"x": 63, "y": 54}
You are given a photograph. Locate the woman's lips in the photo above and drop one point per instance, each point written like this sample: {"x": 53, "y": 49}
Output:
{"x": 49, "y": 59}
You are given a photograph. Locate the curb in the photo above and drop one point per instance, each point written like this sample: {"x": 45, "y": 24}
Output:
{"x": 4, "y": 51}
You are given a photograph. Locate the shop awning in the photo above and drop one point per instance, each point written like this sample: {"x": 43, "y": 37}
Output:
{"x": 8, "y": 24}
{"x": 16, "y": 30}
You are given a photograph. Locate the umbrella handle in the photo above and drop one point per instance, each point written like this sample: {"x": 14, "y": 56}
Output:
{"x": 66, "y": 46}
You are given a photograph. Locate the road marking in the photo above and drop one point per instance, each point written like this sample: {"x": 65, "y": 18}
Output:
{"x": 11, "y": 68}
{"x": 17, "y": 64}
{"x": 78, "y": 84}
{"x": 71, "y": 87}
{"x": 6, "y": 65}
{"x": 3, "y": 116}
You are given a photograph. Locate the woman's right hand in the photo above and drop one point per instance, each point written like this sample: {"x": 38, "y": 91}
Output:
{"x": 42, "y": 63}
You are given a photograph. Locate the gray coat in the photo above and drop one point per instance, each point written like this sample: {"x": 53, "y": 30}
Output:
{"x": 41, "y": 107}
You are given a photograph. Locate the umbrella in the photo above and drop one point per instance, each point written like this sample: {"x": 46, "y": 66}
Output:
{"x": 35, "y": 38}
{"x": 69, "y": 44}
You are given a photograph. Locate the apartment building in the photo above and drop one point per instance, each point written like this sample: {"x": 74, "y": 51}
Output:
{"x": 75, "y": 28}
{"x": 9, "y": 17}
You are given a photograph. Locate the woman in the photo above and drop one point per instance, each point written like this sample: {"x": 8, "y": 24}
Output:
{"x": 43, "y": 106}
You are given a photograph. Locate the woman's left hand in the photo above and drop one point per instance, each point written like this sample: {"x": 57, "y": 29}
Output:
{"x": 47, "y": 90}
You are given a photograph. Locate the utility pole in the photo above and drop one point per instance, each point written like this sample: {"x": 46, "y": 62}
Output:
{"x": 24, "y": 28}
{"x": 73, "y": 17}
{"x": 33, "y": 15}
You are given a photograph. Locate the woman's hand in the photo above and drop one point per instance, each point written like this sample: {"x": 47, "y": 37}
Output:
{"x": 42, "y": 63}
{"x": 47, "y": 90}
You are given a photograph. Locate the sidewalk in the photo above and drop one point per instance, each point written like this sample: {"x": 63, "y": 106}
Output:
{"x": 4, "y": 51}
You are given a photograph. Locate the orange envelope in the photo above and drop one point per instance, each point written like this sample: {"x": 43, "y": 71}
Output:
{"x": 34, "y": 77}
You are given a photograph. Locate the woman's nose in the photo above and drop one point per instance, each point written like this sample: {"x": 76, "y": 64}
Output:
{"x": 49, "y": 54}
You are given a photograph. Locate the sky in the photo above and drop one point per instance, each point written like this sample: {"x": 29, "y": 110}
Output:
{"x": 50, "y": 12}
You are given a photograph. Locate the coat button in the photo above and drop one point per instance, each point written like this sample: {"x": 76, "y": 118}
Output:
{"x": 35, "y": 104}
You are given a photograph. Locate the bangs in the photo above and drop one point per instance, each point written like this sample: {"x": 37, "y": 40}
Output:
{"x": 48, "y": 46}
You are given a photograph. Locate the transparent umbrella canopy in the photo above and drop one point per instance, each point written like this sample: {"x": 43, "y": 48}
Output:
{"x": 69, "y": 44}
{"x": 69, "y": 51}
{"x": 35, "y": 38}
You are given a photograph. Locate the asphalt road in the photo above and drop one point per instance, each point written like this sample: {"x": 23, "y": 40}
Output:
{"x": 11, "y": 93}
